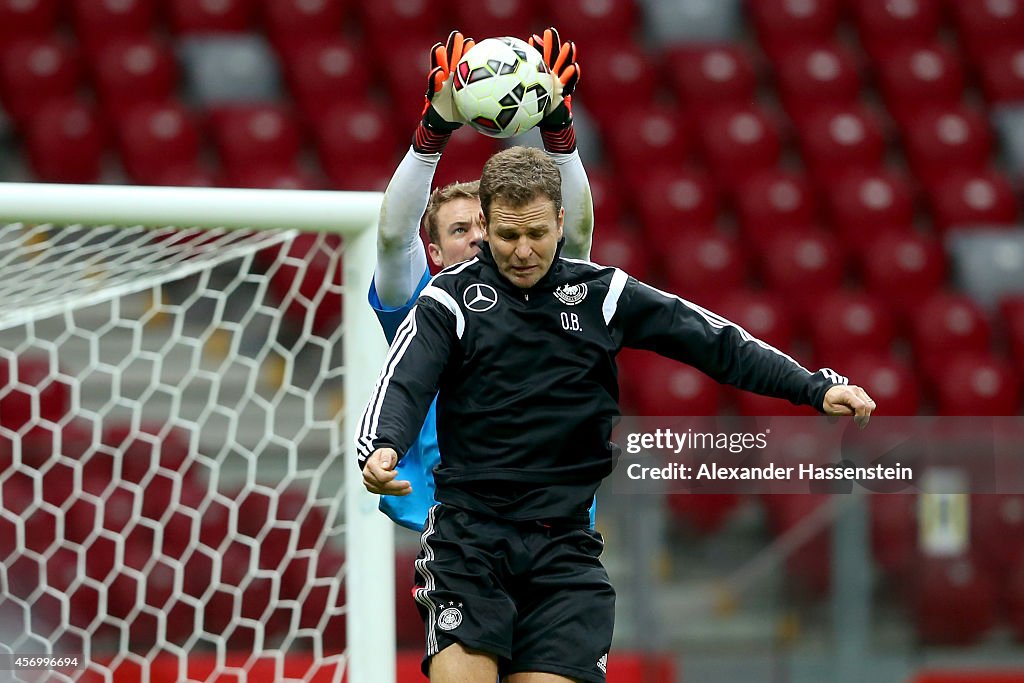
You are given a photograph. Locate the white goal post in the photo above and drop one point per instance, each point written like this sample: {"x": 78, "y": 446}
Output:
{"x": 368, "y": 536}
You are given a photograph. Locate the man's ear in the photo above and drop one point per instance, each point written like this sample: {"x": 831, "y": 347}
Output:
{"x": 483, "y": 223}
{"x": 561, "y": 221}
{"x": 435, "y": 254}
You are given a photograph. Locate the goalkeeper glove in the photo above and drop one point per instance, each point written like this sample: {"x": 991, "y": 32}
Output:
{"x": 556, "y": 127}
{"x": 440, "y": 115}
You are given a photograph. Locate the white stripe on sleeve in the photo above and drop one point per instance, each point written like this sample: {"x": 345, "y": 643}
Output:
{"x": 446, "y": 300}
{"x": 369, "y": 421}
{"x": 611, "y": 299}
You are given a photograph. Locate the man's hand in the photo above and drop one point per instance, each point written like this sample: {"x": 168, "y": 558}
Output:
{"x": 565, "y": 70}
{"x": 379, "y": 474}
{"x": 843, "y": 399}
{"x": 439, "y": 111}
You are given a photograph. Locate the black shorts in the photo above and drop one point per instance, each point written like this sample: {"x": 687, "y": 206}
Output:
{"x": 536, "y": 596}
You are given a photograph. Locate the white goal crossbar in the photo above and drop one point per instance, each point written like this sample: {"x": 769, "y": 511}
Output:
{"x": 369, "y": 537}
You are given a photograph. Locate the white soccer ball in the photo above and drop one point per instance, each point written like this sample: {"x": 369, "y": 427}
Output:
{"x": 502, "y": 87}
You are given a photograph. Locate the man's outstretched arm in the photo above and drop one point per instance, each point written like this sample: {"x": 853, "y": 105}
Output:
{"x": 401, "y": 259}
{"x": 648, "y": 318}
{"x": 407, "y": 382}
{"x": 559, "y": 137}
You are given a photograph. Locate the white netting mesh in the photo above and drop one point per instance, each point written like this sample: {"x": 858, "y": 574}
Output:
{"x": 171, "y": 452}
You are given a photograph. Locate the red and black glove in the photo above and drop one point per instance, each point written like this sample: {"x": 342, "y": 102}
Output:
{"x": 556, "y": 127}
{"x": 440, "y": 115}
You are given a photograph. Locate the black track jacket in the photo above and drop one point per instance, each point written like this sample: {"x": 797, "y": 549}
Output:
{"x": 527, "y": 385}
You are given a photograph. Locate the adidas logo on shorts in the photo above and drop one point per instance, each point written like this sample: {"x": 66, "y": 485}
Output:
{"x": 602, "y": 663}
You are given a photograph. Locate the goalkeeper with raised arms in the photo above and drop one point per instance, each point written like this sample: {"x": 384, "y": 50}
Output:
{"x": 451, "y": 216}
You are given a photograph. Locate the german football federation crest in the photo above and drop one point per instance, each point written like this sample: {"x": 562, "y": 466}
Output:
{"x": 570, "y": 295}
{"x": 449, "y": 619}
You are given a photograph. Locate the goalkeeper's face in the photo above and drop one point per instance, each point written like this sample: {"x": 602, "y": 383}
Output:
{"x": 458, "y": 232}
{"x": 524, "y": 239}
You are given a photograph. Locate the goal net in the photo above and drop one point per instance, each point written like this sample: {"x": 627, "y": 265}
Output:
{"x": 178, "y": 494}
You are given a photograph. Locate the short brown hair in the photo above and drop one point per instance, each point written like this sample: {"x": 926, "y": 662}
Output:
{"x": 441, "y": 196}
{"x": 517, "y": 176}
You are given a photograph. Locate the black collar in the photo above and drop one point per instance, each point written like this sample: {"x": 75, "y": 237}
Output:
{"x": 546, "y": 280}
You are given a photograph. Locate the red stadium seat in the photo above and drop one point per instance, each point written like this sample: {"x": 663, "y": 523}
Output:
{"x": 903, "y": 269}
{"x": 293, "y": 22}
{"x": 468, "y": 147}
{"x": 311, "y": 588}
{"x": 816, "y": 75}
{"x": 888, "y": 380}
{"x": 41, "y": 447}
{"x": 893, "y": 520}
{"x": 240, "y": 592}
{"x": 1001, "y": 72}
{"x": 945, "y": 138}
{"x": 456, "y": 171}
{"x": 986, "y": 25}
{"x": 285, "y": 176}
{"x": 311, "y": 266}
{"x": 65, "y": 142}
{"x": 368, "y": 176}
{"x": 187, "y": 175}
{"x": 808, "y": 566}
{"x": 396, "y": 22}
{"x": 592, "y": 22}
{"x": 915, "y": 78}
{"x": 762, "y": 314}
{"x": 157, "y": 590}
{"x": 868, "y": 204}
{"x": 947, "y": 323}
{"x": 622, "y": 249}
{"x": 754, "y": 405}
{"x": 481, "y": 20}
{"x": 20, "y": 19}
{"x": 607, "y": 193}
{"x": 101, "y": 22}
{"x": 404, "y": 76}
{"x": 976, "y": 383}
{"x": 774, "y": 199}
{"x": 196, "y": 518}
{"x": 738, "y": 142}
{"x": 781, "y": 24}
{"x": 63, "y": 571}
{"x": 706, "y": 77}
{"x": 666, "y": 387}
{"x": 34, "y": 71}
{"x": 997, "y": 531}
{"x": 618, "y": 65}
{"x": 643, "y": 136}
{"x": 839, "y": 141}
{"x": 886, "y": 23}
{"x": 699, "y": 266}
{"x": 705, "y": 513}
{"x": 324, "y": 72}
{"x": 1011, "y": 310}
{"x": 954, "y": 601}
{"x": 356, "y": 130}
{"x": 131, "y": 71}
{"x": 32, "y": 394}
{"x": 848, "y": 321}
{"x": 965, "y": 199}
{"x": 210, "y": 16}
{"x": 143, "y": 451}
{"x": 247, "y": 136}
{"x": 802, "y": 265}
{"x": 156, "y": 138}
{"x": 1014, "y": 597}
{"x": 673, "y": 202}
